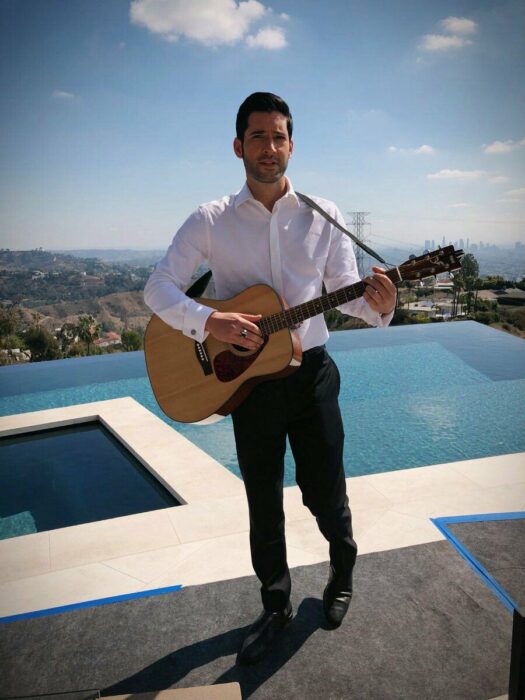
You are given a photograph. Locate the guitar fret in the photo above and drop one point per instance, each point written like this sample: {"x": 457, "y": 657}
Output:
{"x": 290, "y": 318}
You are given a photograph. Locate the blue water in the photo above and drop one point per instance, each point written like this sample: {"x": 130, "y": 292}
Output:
{"x": 69, "y": 476}
{"x": 411, "y": 395}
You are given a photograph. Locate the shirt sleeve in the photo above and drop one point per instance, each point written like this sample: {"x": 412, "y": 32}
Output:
{"x": 341, "y": 271}
{"x": 163, "y": 292}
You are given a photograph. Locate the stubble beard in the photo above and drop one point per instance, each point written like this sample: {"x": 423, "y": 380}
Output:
{"x": 256, "y": 173}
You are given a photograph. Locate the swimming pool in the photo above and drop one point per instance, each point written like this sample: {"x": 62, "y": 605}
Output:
{"x": 411, "y": 395}
{"x": 70, "y": 476}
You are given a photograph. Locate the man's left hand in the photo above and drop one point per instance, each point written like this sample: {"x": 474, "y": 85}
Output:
{"x": 380, "y": 292}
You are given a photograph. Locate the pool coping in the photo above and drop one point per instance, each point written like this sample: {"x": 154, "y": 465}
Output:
{"x": 172, "y": 459}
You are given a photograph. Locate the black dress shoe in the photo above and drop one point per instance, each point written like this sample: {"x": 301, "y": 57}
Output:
{"x": 336, "y": 598}
{"x": 261, "y": 634}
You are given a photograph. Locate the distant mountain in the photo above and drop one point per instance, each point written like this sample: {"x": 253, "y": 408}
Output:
{"x": 127, "y": 256}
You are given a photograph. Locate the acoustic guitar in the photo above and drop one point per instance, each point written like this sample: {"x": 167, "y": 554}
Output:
{"x": 195, "y": 381}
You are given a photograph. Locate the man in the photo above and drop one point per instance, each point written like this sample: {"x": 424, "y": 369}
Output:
{"x": 266, "y": 234}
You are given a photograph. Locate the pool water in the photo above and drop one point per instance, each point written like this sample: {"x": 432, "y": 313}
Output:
{"x": 69, "y": 476}
{"x": 410, "y": 396}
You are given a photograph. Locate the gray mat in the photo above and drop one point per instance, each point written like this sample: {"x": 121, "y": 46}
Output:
{"x": 422, "y": 626}
{"x": 499, "y": 546}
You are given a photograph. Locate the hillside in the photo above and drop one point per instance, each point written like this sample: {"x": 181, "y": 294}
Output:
{"x": 36, "y": 279}
{"x": 114, "y": 311}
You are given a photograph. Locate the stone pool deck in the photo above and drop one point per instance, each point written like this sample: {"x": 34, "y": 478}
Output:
{"x": 206, "y": 539}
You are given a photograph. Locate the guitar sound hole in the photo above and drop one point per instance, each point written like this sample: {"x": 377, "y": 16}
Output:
{"x": 239, "y": 348}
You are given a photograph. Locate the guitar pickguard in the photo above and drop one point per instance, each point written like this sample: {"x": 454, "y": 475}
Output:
{"x": 228, "y": 366}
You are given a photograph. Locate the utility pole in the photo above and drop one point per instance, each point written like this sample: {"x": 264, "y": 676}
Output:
{"x": 358, "y": 226}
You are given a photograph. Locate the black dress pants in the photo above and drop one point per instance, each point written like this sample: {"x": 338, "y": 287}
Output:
{"x": 304, "y": 407}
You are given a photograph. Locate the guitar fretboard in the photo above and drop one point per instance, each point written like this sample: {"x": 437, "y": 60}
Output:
{"x": 297, "y": 314}
{"x": 426, "y": 265}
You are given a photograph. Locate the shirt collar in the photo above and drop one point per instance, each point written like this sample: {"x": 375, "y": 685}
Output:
{"x": 244, "y": 195}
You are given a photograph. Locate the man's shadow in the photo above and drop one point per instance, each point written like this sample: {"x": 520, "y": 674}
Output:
{"x": 171, "y": 669}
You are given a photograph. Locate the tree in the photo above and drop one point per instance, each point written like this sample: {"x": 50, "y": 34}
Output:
{"x": 470, "y": 274}
{"x": 88, "y": 330}
{"x": 131, "y": 340}
{"x": 42, "y": 344}
{"x": 66, "y": 337}
{"x": 458, "y": 284}
{"x": 9, "y": 320}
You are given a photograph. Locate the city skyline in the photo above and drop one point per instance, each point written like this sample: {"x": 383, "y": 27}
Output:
{"x": 118, "y": 117}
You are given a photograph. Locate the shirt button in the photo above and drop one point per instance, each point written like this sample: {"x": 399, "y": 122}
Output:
{"x": 193, "y": 331}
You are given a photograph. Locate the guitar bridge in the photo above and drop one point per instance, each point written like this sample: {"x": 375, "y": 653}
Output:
{"x": 203, "y": 358}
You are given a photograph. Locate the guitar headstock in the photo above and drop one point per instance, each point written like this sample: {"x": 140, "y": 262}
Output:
{"x": 429, "y": 264}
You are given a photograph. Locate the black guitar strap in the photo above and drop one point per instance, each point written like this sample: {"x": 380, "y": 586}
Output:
{"x": 198, "y": 287}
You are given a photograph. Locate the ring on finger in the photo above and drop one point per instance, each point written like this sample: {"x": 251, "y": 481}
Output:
{"x": 243, "y": 333}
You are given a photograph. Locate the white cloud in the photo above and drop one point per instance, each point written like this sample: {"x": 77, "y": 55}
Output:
{"x": 459, "y": 205}
{"x": 447, "y": 174}
{"x": 271, "y": 38}
{"x": 499, "y": 179}
{"x": 425, "y": 149}
{"x": 209, "y": 22}
{"x": 459, "y": 25}
{"x": 62, "y": 95}
{"x": 455, "y": 29}
{"x": 440, "y": 42}
{"x": 519, "y": 193}
{"x": 503, "y": 146}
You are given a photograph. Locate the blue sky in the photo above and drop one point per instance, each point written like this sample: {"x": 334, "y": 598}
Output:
{"x": 118, "y": 117}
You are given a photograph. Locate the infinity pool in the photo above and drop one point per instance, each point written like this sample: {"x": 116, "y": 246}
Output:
{"x": 411, "y": 395}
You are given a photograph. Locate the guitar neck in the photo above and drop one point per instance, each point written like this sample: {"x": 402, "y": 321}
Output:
{"x": 297, "y": 314}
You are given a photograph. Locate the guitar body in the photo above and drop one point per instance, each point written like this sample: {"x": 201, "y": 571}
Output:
{"x": 191, "y": 382}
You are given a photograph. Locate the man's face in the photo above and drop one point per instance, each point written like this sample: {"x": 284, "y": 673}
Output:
{"x": 266, "y": 147}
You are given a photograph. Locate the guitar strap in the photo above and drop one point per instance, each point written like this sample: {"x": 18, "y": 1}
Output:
{"x": 335, "y": 223}
{"x": 198, "y": 287}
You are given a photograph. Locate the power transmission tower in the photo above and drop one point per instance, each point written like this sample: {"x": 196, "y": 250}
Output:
{"x": 358, "y": 226}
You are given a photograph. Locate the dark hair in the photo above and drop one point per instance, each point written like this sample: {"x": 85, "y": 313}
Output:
{"x": 262, "y": 102}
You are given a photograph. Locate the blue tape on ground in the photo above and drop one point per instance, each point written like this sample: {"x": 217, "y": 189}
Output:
{"x": 490, "y": 581}
{"x": 90, "y": 604}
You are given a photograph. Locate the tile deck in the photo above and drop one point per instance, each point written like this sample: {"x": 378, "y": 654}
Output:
{"x": 206, "y": 539}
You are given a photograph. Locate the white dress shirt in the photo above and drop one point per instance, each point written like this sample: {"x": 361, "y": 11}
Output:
{"x": 292, "y": 248}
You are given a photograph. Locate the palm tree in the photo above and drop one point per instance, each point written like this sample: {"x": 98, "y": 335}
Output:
{"x": 88, "y": 330}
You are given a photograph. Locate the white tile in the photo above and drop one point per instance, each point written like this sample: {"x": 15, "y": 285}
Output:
{"x": 413, "y": 484}
{"x": 151, "y": 565}
{"x": 208, "y": 519}
{"x": 299, "y": 557}
{"x": 494, "y": 471}
{"x": 364, "y": 519}
{"x": 305, "y": 535}
{"x": 107, "y": 539}
{"x": 64, "y": 588}
{"x": 218, "y": 559}
{"x": 293, "y": 504}
{"x": 393, "y": 530}
{"x": 23, "y": 556}
{"x": 362, "y": 493}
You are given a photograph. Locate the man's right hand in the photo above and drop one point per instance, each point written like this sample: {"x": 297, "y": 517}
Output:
{"x": 229, "y": 328}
